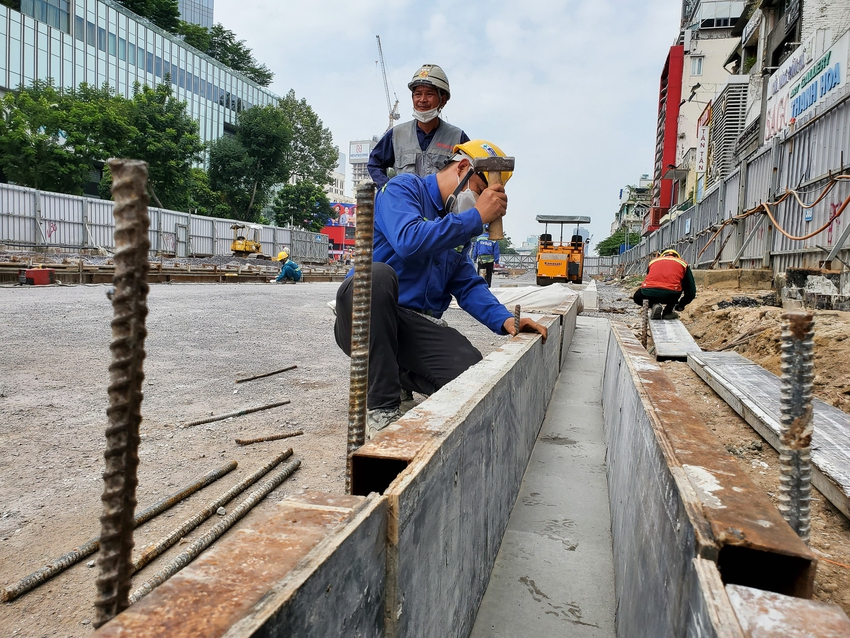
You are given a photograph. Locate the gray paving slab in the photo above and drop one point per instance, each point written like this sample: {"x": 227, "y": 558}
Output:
{"x": 672, "y": 340}
{"x": 554, "y": 575}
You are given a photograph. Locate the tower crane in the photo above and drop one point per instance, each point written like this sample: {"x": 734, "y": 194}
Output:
{"x": 392, "y": 110}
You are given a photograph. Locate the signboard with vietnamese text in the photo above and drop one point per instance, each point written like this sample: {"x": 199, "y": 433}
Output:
{"x": 805, "y": 79}
{"x": 702, "y": 140}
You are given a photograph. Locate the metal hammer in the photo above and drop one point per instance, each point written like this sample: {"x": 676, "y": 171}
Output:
{"x": 494, "y": 166}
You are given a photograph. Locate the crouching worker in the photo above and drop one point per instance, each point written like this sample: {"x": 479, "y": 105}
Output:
{"x": 290, "y": 272}
{"x": 669, "y": 286}
{"x": 424, "y": 227}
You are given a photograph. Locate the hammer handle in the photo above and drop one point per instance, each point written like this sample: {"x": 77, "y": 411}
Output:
{"x": 496, "y": 231}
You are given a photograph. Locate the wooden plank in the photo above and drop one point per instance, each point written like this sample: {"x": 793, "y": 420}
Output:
{"x": 754, "y": 393}
{"x": 672, "y": 340}
{"x": 764, "y": 614}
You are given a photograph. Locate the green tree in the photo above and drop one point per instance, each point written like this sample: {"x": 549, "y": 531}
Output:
{"x": 303, "y": 204}
{"x": 506, "y": 247}
{"x": 611, "y": 245}
{"x": 312, "y": 155}
{"x": 33, "y": 144}
{"x": 224, "y": 47}
{"x": 244, "y": 167}
{"x": 203, "y": 200}
{"x": 163, "y": 13}
{"x": 195, "y": 35}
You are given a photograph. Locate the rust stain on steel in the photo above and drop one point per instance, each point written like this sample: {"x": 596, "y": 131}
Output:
{"x": 226, "y": 581}
{"x": 763, "y": 614}
{"x": 736, "y": 512}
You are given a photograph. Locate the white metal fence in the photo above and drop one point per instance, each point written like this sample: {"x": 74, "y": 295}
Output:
{"x": 39, "y": 220}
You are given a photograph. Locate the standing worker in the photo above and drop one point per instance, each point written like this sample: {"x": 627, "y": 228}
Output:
{"x": 485, "y": 253}
{"x": 290, "y": 272}
{"x": 423, "y": 230}
{"x": 424, "y": 144}
{"x": 669, "y": 283}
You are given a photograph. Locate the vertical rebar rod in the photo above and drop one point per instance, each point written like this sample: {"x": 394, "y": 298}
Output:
{"x": 517, "y": 311}
{"x": 124, "y": 414}
{"x": 644, "y": 318}
{"x": 361, "y": 313}
{"x": 795, "y": 437}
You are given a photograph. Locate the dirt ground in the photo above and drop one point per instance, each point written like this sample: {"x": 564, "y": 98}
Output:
{"x": 741, "y": 320}
{"x": 54, "y": 349}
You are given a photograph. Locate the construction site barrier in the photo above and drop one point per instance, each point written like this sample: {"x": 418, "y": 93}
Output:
{"x": 39, "y": 220}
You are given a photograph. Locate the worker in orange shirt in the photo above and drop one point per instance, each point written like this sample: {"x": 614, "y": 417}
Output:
{"x": 669, "y": 286}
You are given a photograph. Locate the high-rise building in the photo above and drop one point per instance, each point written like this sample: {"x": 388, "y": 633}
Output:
{"x": 358, "y": 157}
{"x": 97, "y": 41}
{"x": 197, "y": 11}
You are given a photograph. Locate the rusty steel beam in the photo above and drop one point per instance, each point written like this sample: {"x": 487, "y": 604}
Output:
{"x": 517, "y": 311}
{"x": 87, "y": 549}
{"x": 125, "y": 389}
{"x": 272, "y": 437}
{"x": 155, "y": 549}
{"x": 361, "y": 312}
{"x": 201, "y": 543}
{"x": 221, "y": 417}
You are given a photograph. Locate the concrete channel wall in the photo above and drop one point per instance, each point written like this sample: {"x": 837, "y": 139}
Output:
{"x": 689, "y": 528}
{"x": 413, "y": 558}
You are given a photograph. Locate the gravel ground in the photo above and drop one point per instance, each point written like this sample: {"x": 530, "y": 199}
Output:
{"x": 201, "y": 338}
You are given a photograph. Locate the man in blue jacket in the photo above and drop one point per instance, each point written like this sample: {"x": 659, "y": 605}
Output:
{"x": 485, "y": 253}
{"x": 423, "y": 233}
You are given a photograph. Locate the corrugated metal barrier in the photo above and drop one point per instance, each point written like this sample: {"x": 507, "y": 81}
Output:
{"x": 38, "y": 220}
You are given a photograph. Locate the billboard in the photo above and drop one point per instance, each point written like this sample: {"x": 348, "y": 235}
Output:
{"x": 346, "y": 214}
{"x": 358, "y": 152}
{"x": 805, "y": 79}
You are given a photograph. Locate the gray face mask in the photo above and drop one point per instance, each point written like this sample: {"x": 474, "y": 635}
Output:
{"x": 465, "y": 200}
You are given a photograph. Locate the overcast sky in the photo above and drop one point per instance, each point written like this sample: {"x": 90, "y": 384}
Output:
{"x": 569, "y": 88}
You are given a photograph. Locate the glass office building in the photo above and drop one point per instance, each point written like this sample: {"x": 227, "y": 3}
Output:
{"x": 97, "y": 41}
{"x": 197, "y": 11}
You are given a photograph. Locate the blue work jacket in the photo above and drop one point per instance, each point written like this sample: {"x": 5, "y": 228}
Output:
{"x": 485, "y": 251}
{"x": 428, "y": 249}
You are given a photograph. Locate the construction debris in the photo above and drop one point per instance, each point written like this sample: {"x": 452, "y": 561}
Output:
{"x": 272, "y": 437}
{"x": 267, "y": 374}
{"x": 229, "y": 415}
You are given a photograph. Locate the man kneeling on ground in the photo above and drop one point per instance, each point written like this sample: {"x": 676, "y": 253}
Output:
{"x": 423, "y": 232}
{"x": 669, "y": 283}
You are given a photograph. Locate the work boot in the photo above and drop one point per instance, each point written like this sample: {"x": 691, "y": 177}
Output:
{"x": 377, "y": 420}
{"x": 406, "y": 395}
{"x": 657, "y": 310}
{"x": 670, "y": 315}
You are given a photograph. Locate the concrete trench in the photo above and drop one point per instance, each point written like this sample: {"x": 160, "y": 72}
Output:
{"x": 697, "y": 551}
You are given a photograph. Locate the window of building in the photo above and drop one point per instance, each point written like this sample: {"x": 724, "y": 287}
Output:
{"x": 112, "y": 44}
{"x": 79, "y": 28}
{"x": 101, "y": 39}
{"x": 696, "y": 65}
{"x": 122, "y": 49}
{"x": 55, "y": 13}
{"x": 91, "y": 31}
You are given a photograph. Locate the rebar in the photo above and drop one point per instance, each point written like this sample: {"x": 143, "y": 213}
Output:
{"x": 644, "y": 318}
{"x": 202, "y": 542}
{"x": 155, "y": 549}
{"x": 795, "y": 437}
{"x": 517, "y": 311}
{"x": 267, "y": 374}
{"x": 221, "y": 417}
{"x": 361, "y": 313}
{"x": 271, "y": 437}
{"x": 87, "y": 549}
{"x": 125, "y": 389}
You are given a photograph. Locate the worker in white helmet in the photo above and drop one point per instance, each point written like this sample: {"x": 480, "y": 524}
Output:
{"x": 424, "y": 144}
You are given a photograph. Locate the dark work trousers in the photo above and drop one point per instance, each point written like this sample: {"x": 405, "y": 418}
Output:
{"x": 488, "y": 271}
{"x": 405, "y": 348}
{"x": 669, "y": 300}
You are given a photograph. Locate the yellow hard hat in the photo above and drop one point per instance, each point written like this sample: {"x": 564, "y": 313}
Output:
{"x": 670, "y": 251}
{"x": 476, "y": 149}
{"x": 282, "y": 255}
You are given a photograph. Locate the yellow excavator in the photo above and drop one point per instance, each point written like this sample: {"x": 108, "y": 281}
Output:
{"x": 560, "y": 261}
{"x": 246, "y": 241}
